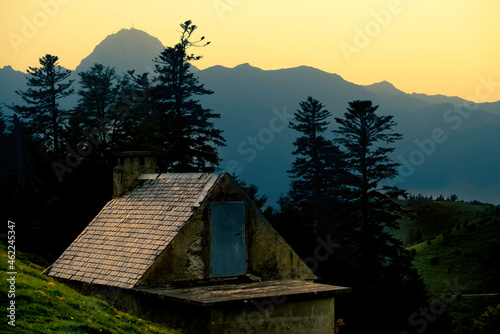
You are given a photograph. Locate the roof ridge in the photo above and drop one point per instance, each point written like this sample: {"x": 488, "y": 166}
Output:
{"x": 206, "y": 189}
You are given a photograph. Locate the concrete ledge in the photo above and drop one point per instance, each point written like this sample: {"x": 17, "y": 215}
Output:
{"x": 214, "y": 294}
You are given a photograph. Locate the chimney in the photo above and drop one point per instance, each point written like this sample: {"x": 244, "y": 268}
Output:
{"x": 130, "y": 166}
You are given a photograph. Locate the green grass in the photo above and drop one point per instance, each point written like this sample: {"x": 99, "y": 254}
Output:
{"x": 435, "y": 218}
{"x": 461, "y": 243}
{"x": 44, "y": 305}
{"x": 467, "y": 256}
{"x": 467, "y": 309}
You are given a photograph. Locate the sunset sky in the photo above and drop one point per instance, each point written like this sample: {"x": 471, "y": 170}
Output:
{"x": 445, "y": 47}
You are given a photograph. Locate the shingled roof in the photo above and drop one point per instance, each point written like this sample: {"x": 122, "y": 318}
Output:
{"x": 130, "y": 232}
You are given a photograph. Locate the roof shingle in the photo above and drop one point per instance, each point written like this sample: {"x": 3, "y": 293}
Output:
{"x": 130, "y": 232}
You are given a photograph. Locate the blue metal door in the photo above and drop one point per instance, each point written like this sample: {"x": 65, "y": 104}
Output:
{"x": 228, "y": 239}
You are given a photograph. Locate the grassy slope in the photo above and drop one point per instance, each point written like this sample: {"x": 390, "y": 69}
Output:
{"x": 469, "y": 256}
{"x": 466, "y": 257}
{"x": 434, "y": 218}
{"x": 43, "y": 305}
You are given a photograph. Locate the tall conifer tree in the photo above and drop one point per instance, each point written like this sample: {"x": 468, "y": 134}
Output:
{"x": 311, "y": 207}
{"x": 366, "y": 137}
{"x": 317, "y": 166}
{"x": 374, "y": 262}
{"x": 42, "y": 113}
{"x": 188, "y": 135}
{"x": 98, "y": 93}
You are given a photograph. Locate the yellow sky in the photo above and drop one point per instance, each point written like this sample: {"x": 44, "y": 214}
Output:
{"x": 449, "y": 47}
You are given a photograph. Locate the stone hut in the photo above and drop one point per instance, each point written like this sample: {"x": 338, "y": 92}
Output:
{"x": 192, "y": 250}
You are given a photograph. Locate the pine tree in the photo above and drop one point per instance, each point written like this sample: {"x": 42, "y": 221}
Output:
{"x": 318, "y": 162}
{"x": 44, "y": 118}
{"x": 140, "y": 129}
{"x": 387, "y": 288}
{"x": 362, "y": 133}
{"x": 98, "y": 93}
{"x": 373, "y": 210}
{"x": 311, "y": 207}
{"x": 187, "y": 133}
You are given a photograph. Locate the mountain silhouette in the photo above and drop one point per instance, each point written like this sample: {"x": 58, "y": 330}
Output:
{"x": 249, "y": 99}
{"x": 10, "y": 81}
{"x": 256, "y": 106}
{"x": 128, "y": 49}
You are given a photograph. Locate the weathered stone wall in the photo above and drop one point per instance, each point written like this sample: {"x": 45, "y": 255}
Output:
{"x": 269, "y": 255}
{"x": 299, "y": 317}
{"x": 276, "y": 315}
{"x": 129, "y": 167}
{"x": 188, "y": 256}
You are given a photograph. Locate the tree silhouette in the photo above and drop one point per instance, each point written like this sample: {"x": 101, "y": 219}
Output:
{"x": 374, "y": 263}
{"x": 318, "y": 164}
{"x": 362, "y": 133}
{"x": 316, "y": 159}
{"x": 187, "y": 133}
{"x": 97, "y": 96}
{"x": 139, "y": 130}
{"x": 44, "y": 118}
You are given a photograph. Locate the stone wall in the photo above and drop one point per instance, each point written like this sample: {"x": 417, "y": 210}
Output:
{"x": 290, "y": 317}
{"x": 130, "y": 165}
{"x": 188, "y": 256}
{"x": 275, "y": 315}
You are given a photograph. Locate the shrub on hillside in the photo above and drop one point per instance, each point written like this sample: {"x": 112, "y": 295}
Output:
{"x": 489, "y": 321}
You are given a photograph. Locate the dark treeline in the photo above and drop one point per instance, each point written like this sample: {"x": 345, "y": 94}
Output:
{"x": 414, "y": 199}
{"x": 56, "y": 175}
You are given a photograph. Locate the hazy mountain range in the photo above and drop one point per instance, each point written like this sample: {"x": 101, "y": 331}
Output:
{"x": 446, "y": 148}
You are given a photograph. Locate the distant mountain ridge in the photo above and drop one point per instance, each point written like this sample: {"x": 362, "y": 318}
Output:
{"x": 464, "y": 162}
{"x": 256, "y": 103}
{"x": 383, "y": 87}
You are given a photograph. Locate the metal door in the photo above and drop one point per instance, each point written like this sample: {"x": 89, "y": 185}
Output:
{"x": 228, "y": 239}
